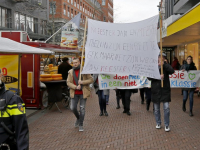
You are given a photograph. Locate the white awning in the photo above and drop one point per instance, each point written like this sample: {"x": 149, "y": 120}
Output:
{"x": 10, "y": 46}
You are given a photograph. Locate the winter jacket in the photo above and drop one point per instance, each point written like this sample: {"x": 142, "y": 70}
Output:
{"x": 188, "y": 68}
{"x": 64, "y": 69}
{"x": 85, "y": 78}
{"x": 159, "y": 94}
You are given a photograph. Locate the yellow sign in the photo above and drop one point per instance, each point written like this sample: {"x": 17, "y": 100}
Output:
{"x": 9, "y": 68}
{"x": 30, "y": 79}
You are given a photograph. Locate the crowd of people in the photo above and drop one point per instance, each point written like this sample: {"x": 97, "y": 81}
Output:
{"x": 79, "y": 89}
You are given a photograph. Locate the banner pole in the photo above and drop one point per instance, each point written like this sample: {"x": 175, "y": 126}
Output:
{"x": 161, "y": 51}
{"x": 83, "y": 50}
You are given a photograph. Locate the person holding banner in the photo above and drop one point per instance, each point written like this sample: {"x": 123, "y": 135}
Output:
{"x": 79, "y": 90}
{"x": 162, "y": 94}
{"x": 102, "y": 96}
{"x": 187, "y": 67}
{"x": 126, "y": 95}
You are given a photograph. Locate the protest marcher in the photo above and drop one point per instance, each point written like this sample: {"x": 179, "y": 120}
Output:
{"x": 101, "y": 94}
{"x": 118, "y": 97}
{"x": 126, "y": 94}
{"x": 175, "y": 64}
{"x": 79, "y": 90}
{"x": 107, "y": 97}
{"x": 159, "y": 94}
{"x": 14, "y": 132}
{"x": 142, "y": 91}
{"x": 148, "y": 98}
{"x": 187, "y": 67}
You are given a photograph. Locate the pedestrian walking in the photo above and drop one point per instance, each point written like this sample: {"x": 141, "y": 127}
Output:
{"x": 126, "y": 95}
{"x": 79, "y": 91}
{"x": 142, "y": 91}
{"x": 102, "y": 96}
{"x": 118, "y": 97}
{"x": 162, "y": 95}
{"x": 187, "y": 67}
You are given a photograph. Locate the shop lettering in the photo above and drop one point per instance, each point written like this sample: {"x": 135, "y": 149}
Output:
{"x": 4, "y": 71}
{"x": 177, "y": 75}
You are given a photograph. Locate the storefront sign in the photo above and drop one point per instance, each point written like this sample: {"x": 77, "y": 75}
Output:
{"x": 129, "y": 48}
{"x": 9, "y": 68}
{"x": 179, "y": 79}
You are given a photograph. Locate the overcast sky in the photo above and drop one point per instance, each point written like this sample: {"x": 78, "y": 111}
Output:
{"x": 134, "y": 10}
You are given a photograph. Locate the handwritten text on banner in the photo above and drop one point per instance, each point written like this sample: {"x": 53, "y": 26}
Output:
{"x": 122, "y": 48}
{"x": 178, "y": 80}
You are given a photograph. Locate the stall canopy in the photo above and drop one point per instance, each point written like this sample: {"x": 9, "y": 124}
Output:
{"x": 10, "y": 46}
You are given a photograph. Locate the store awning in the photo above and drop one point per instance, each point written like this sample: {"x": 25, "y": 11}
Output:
{"x": 12, "y": 47}
{"x": 185, "y": 29}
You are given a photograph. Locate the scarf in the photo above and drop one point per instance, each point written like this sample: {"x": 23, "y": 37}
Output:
{"x": 74, "y": 75}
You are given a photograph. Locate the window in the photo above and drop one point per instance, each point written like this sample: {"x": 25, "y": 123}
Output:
{"x": 74, "y": 13}
{"x": 80, "y": 5}
{"x": 72, "y": 2}
{"x": 29, "y": 24}
{"x": 22, "y": 22}
{"x": 68, "y": 12}
{"x": 43, "y": 24}
{"x": 103, "y": 2}
{"x": 75, "y": 3}
{"x": 5, "y": 18}
{"x": 104, "y": 19}
{"x": 71, "y": 13}
{"x": 35, "y": 25}
{"x": 83, "y": 7}
{"x": 64, "y": 9}
{"x": 52, "y": 9}
{"x": 68, "y": 1}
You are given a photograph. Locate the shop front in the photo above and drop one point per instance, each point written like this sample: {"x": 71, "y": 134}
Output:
{"x": 189, "y": 49}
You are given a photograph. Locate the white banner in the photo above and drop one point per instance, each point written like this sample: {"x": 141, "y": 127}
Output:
{"x": 129, "y": 48}
{"x": 178, "y": 80}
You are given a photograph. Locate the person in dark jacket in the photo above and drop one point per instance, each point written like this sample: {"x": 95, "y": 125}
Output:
{"x": 64, "y": 68}
{"x": 162, "y": 94}
{"x": 175, "y": 64}
{"x": 187, "y": 67}
{"x": 14, "y": 132}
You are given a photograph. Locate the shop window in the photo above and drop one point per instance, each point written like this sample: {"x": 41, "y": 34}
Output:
{"x": 29, "y": 24}
{"x": 43, "y": 27}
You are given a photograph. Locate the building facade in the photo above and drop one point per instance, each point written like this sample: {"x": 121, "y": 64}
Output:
{"x": 25, "y": 15}
{"x": 62, "y": 11}
{"x": 183, "y": 26}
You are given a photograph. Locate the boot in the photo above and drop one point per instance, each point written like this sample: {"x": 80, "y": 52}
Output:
{"x": 184, "y": 108}
{"x": 118, "y": 107}
{"x": 147, "y": 106}
{"x": 191, "y": 114}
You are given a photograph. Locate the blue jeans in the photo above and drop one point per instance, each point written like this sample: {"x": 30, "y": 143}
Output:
{"x": 102, "y": 101}
{"x": 166, "y": 113}
{"x": 107, "y": 98}
{"x": 74, "y": 103}
{"x": 185, "y": 97}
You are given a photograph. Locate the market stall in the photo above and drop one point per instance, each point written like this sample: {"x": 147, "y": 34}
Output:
{"x": 23, "y": 53}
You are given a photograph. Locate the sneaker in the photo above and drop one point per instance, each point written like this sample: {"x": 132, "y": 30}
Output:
{"x": 158, "y": 126}
{"x": 106, "y": 114}
{"x": 76, "y": 123}
{"x": 81, "y": 129}
{"x": 167, "y": 129}
{"x": 101, "y": 114}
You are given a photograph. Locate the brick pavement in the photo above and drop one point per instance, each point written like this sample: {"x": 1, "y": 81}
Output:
{"x": 56, "y": 131}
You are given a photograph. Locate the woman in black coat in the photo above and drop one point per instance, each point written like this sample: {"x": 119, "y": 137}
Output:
{"x": 187, "y": 67}
{"x": 159, "y": 94}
